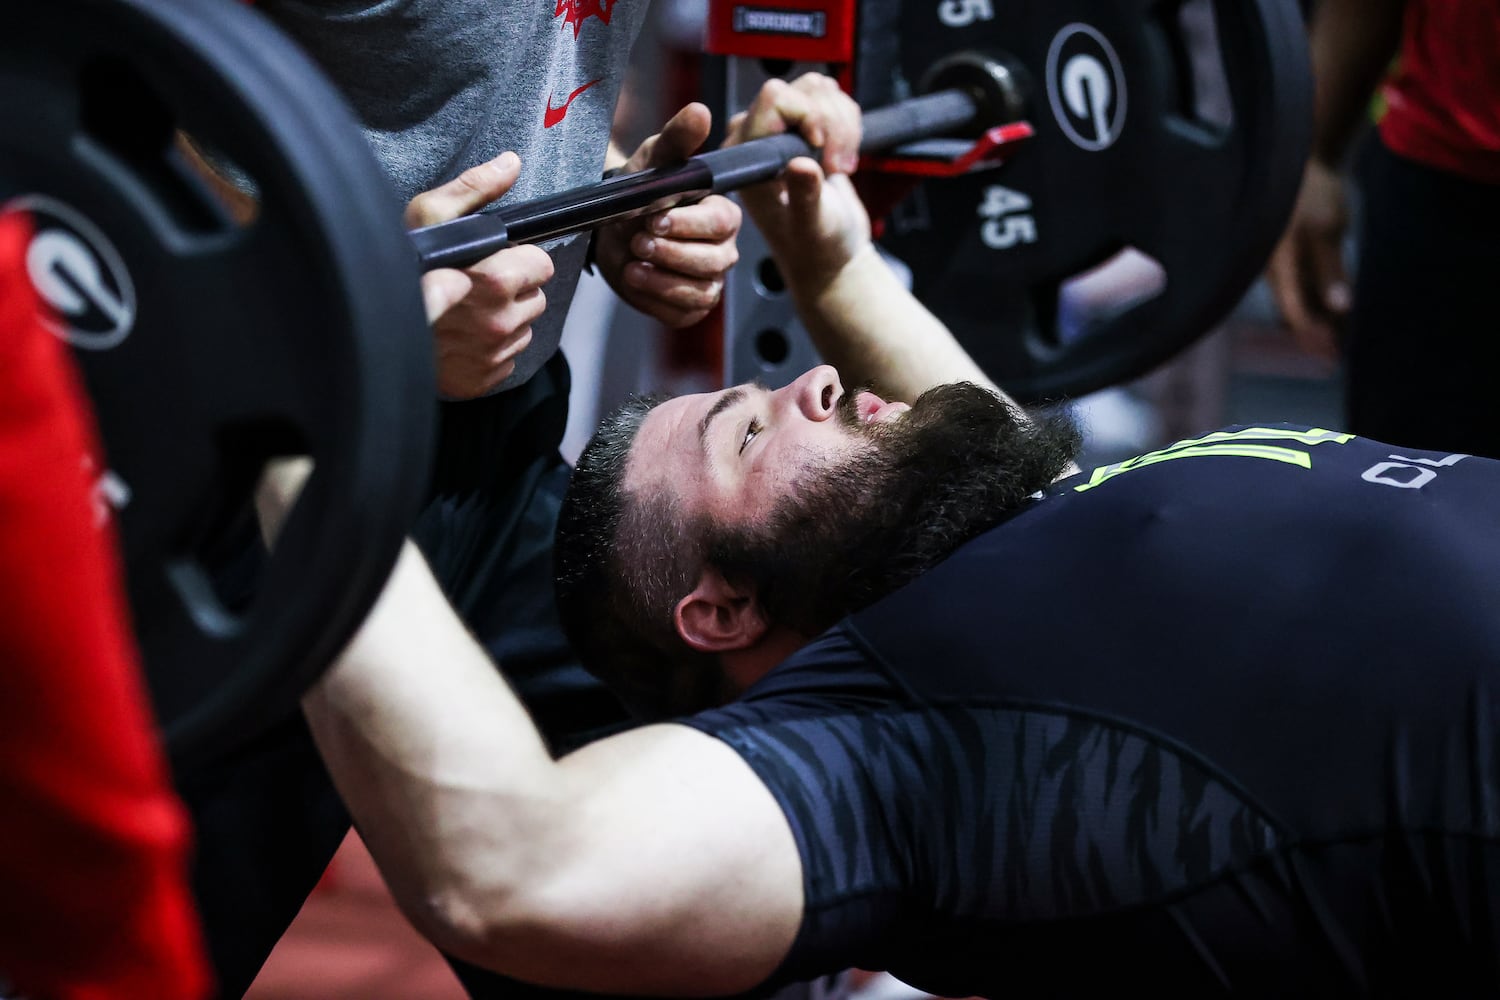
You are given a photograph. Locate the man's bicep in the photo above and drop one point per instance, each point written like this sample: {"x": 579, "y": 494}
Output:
{"x": 678, "y": 876}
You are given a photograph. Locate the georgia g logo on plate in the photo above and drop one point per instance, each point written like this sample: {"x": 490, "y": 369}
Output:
{"x": 78, "y": 273}
{"x": 1086, "y": 87}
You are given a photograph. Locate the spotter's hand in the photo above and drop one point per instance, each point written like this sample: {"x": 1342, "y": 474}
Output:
{"x": 671, "y": 265}
{"x": 481, "y": 328}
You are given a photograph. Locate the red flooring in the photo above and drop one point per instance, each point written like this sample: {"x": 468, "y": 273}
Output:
{"x": 350, "y": 943}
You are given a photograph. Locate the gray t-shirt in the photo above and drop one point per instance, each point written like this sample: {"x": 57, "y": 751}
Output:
{"x": 443, "y": 85}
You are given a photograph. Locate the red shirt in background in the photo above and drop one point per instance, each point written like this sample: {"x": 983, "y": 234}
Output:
{"x": 94, "y": 897}
{"x": 1443, "y": 103}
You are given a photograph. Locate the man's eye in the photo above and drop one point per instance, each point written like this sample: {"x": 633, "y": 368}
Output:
{"x": 750, "y": 432}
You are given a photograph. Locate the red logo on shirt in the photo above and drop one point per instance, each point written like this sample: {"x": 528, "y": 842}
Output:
{"x": 554, "y": 115}
{"x": 575, "y": 11}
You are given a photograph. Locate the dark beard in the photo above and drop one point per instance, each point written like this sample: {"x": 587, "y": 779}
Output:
{"x": 957, "y": 464}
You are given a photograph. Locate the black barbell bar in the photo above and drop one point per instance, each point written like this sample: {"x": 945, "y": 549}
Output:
{"x": 470, "y": 238}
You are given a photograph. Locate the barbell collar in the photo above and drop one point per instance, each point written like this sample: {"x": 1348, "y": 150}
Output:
{"x": 995, "y": 81}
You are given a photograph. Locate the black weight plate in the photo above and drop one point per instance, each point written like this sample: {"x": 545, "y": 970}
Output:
{"x": 208, "y": 345}
{"x": 1130, "y": 152}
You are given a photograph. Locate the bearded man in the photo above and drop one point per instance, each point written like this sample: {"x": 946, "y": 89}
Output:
{"x": 1220, "y": 717}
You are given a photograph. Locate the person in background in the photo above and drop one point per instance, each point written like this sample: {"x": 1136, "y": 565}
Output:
{"x": 1413, "y": 326}
{"x": 94, "y": 895}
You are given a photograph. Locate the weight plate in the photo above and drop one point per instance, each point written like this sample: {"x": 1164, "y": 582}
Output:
{"x": 1178, "y": 130}
{"x": 208, "y": 344}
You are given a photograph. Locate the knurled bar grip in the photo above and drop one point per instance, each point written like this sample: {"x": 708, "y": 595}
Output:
{"x": 469, "y": 239}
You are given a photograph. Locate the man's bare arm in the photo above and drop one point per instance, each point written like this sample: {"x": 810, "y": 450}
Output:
{"x": 652, "y": 862}
{"x": 861, "y": 317}
{"x": 866, "y": 324}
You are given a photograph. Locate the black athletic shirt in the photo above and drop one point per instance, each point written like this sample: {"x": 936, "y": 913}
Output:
{"x": 1221, "y": 716}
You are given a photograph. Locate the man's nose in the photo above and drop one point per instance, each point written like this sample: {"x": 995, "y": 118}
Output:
{"x": 816, "y": 392}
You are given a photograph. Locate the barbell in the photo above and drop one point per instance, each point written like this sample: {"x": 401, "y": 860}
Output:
{"x": 467, "y": 240}
{"x": 209, "y": 343}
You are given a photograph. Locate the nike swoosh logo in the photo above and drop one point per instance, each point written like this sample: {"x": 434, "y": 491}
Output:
{"x": 555, "y": 115}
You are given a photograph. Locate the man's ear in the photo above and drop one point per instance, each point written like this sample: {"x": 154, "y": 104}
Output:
{"x": 719, "y": 616}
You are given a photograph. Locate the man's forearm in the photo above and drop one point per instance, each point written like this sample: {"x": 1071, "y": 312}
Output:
{"x": 454, "y": 814}
{"x": 866, "y": 324}
{"x": 869, "y": 327}
{"x": 1353, "y": 42}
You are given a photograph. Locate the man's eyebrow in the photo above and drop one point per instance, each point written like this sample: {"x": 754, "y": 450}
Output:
{"x": 730, "y": 398}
